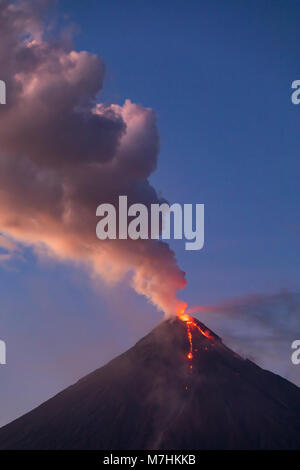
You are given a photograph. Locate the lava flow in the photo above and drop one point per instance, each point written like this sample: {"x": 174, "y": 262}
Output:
{"x": 190, "y": 324}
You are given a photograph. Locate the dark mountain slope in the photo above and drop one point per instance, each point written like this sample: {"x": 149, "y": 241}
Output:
{"x": 150, "y": 398}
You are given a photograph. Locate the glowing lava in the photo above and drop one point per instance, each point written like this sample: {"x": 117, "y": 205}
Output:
{"x": 189, "y": 333}
{"x": 190, "y": 324}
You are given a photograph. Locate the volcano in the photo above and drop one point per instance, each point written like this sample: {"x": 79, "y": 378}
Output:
{"x": 178, "y": 388}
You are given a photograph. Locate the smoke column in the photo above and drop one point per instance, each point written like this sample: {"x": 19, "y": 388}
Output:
{"x": 62, "y": 154}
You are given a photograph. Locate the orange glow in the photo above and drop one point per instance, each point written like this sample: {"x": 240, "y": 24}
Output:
{"x": 190, "y": 324}
{"x": 205, "y": 333}
{"x": 189, "y": 333}
{"x": 184, "y": 317}
{"x": 181, "y": 308}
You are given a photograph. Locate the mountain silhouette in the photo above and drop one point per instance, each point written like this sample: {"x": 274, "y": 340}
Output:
{"x": 154, "y": 397}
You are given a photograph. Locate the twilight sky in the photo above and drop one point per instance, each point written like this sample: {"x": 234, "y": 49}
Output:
{"x": 217, "y": 75}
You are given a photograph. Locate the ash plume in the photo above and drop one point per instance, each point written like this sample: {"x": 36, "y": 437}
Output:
{"x": 260, "y": 326}
{"x": 62, "y": 154}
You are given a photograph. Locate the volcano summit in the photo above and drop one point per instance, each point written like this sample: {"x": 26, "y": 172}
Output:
{"x": 179, "y": 387}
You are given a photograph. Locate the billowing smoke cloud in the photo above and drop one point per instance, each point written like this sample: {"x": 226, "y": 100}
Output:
{"x": 261, "y": 327}
{"x": 62, "y": 154}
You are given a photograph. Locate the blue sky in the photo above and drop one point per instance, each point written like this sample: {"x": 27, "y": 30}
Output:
{"x": 218, "y": 75}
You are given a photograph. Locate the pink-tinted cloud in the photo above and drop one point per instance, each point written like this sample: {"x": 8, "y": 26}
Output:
{"x": 62, "y": 154}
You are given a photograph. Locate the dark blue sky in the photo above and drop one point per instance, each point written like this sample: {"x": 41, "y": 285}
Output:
{"x": 218, "y": 75}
